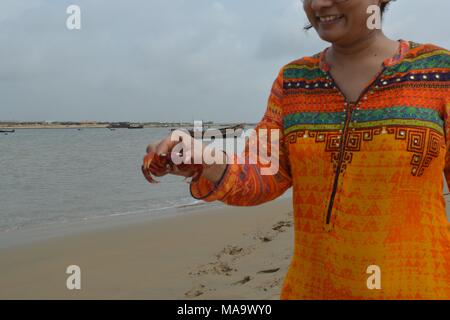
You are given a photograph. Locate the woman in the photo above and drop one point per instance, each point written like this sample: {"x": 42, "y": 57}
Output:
{"x": 363, "y": 144}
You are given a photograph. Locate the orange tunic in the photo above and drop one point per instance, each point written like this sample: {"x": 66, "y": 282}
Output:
{"x": 366, "y": 176}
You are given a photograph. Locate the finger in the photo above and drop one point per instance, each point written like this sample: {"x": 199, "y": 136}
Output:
{"x": 157, "y": 147}
{"x": 151, "y": 147}
{"x": 155, "y": 168}
{"x": 148, "y": 175}
{"x": 181, "y": 139}
{"x": 165, "y": 145}
{"x": 147, "y": 161}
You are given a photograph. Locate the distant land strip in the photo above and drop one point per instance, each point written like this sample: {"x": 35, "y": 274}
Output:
{"x": 103, "y": 125}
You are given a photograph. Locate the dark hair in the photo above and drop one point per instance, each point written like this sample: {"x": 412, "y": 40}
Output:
{"x": 383, "y": 8}
{"x": 384, "y": 5}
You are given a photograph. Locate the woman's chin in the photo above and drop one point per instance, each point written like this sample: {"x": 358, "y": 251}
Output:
{"x": 333, "y": 32}
{"x": 331, "y": 37}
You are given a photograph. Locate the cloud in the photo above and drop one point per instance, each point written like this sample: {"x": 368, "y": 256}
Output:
{"x": 161, "y": 60}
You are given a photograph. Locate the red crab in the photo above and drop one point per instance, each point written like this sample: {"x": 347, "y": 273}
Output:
{"x": 161, "y": 164}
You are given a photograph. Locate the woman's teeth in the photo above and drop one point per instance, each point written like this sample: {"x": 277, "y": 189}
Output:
{"x": 330, "y": 18}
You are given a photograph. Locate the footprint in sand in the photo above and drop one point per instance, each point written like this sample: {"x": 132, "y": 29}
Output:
{"x": 243, "y": 281}
{"x": 230, "y": 251}
{"x": 264, "y": 236}
{"x": 196, "y": 291}
{"x": 234, "y": 253}
{"x": 270, "y": 284}
{"x": 223, "y": 263}
{"x": 216, "y": 267}
{"x": 280, "y": 225}
{"x": 269, "y": 270}
{"x": 266, "y": 239}
{"x": 230, "y": 254}
{"x": 276, "y": 229}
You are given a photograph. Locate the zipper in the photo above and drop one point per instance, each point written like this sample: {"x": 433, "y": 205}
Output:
{"x": 343, "y": 141}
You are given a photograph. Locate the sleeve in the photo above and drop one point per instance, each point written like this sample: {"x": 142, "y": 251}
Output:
{"x": 447, "y": 141}
{"x": 446, "y": 102}
{"x": 447, "y": 127}
{"x": 243, "y": 184}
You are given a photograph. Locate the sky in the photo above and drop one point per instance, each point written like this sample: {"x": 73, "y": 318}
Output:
{"x": 160, "y": 60}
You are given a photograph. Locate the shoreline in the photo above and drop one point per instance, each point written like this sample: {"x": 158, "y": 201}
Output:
{"x": 209, "y": 253}
{"x": 15, "y": 237}
{"x": 105, "y": 126}
{"x": 53, "y": 127}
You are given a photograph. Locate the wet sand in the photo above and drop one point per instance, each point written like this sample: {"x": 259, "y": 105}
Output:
{"x": 220, "y": 253}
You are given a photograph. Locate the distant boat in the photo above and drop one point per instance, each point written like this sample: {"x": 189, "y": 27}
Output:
{"x": 118, "y": 125}
{"x": 135, "y": 126}
{"x": 7, "y": 131}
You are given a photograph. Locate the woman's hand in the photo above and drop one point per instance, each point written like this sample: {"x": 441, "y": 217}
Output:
{"x": 187, "y": 156}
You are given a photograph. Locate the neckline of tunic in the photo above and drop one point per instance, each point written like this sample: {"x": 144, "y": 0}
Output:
{"x": 403, "y": 49}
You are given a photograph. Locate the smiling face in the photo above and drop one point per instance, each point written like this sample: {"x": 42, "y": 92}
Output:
{"x": 339, "y": 21}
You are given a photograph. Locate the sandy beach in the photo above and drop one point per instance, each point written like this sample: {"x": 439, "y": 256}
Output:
{"x": 221, "y": 253}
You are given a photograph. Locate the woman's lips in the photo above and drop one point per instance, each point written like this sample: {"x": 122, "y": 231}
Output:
{"x": 330, "y": 19}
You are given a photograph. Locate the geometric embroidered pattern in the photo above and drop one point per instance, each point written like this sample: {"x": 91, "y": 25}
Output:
{"x": 424, "y": 143}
